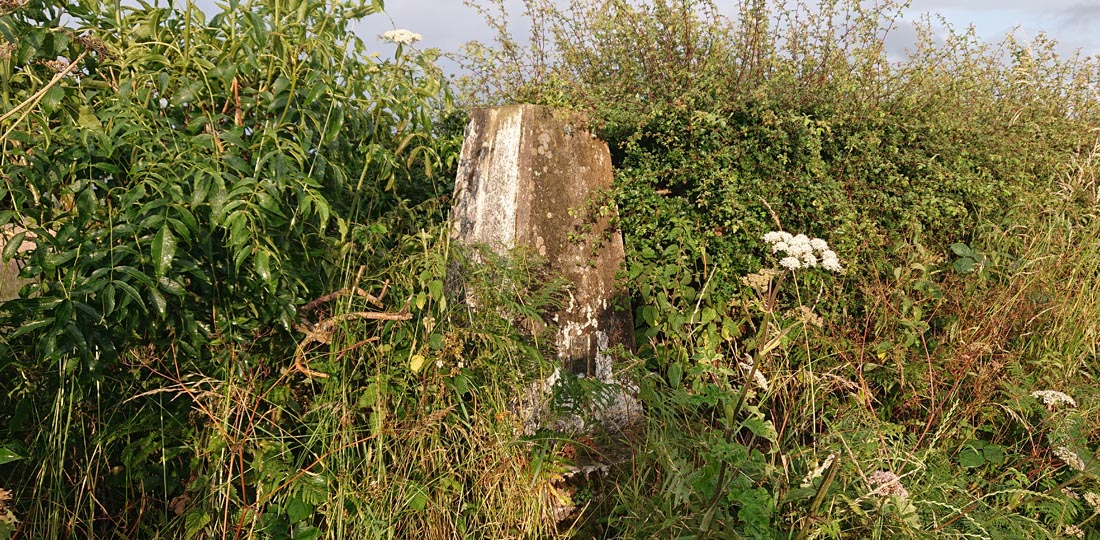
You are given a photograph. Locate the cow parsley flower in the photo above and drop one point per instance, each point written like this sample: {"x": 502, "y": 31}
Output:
{"x": 401, "y": 37}
{"x": 757, "y": 377}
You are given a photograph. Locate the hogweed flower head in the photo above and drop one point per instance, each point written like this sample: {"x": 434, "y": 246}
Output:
{"x": 887, "y": 484}
{"x": 1053, "y": 398}
{"x": 806, "y": 315}
{"x": 800, "y": 251}
{"x": 791, "y": 263}
{"x": 401, "y": 37}
{"x": 760, "y": 280}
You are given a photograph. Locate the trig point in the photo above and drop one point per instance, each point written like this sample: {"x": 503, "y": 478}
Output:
{"x": 532, "y": 176}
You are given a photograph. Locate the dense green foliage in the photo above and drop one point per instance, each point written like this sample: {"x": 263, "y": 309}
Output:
{"x": 233, "y": 322}
{"x": 949, "y": 182}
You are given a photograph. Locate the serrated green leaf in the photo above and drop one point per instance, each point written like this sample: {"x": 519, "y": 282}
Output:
{"x": 994, "y": 453}
{"x": 418, "y": 501}
{"x": 263, "y": 266}
{"x": 159, "y": 303}
{"x": 675, "y": 374}
{"x": 12, "y": 246}
{"x": 970, "y": 457}
{"x": 52, "y": 98}
{"x": 435, "y": 287}
{"x": 961, "y": 249}
{"x": 297, "y": 510}
{"x": 164, "y": 250}
{"x": 964, "y": 265}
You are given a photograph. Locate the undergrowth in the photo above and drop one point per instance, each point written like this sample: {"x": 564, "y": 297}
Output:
{"x": 237, "y": 319}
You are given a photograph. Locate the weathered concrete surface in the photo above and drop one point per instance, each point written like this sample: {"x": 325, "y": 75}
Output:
{"x": 531, "y": 176}
{"x": 9, "y": 272}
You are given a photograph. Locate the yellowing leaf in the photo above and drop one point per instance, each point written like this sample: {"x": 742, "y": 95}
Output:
{"x": 87, "y": 119}
{"x": 416, "y": 362}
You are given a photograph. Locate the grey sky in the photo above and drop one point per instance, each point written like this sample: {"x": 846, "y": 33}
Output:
{"x": 447, "y": 24}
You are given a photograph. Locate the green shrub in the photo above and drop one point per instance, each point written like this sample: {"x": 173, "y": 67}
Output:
{"x": 191, "y": 182}
{"x": 939, "y": 178}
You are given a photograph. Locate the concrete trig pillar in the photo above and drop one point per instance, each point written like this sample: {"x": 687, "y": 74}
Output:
{"x": 532, "y": 176}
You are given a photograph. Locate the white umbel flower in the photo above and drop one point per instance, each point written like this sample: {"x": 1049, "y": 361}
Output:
{"x": 791, "y": 263}
{"x": 401, "y": 37}
{"x": 1094, "y": 501}
{"x": 1053, "y": 398}
{"x": 801, "y": 251}
{"x": 1070, "y": 458}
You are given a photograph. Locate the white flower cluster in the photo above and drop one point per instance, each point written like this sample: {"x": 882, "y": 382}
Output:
{"x": 758, "y": 377}
{"x": 1074, "y": 531}
{"x": 401, "y": 37}
{"x": 801, "y": 251}
{"x": 1094, "y": 501}
{"x": 1070, "y": 458}
{"x": 1053, "y": 398}
{"x": 888, "y": 484}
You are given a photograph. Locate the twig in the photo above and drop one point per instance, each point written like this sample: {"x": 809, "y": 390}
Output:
{"x": 322, "y": 331}
{"x": 772, "y": 212}
{"x": 41, "y": 92}
{"x": 376, "y": 300}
